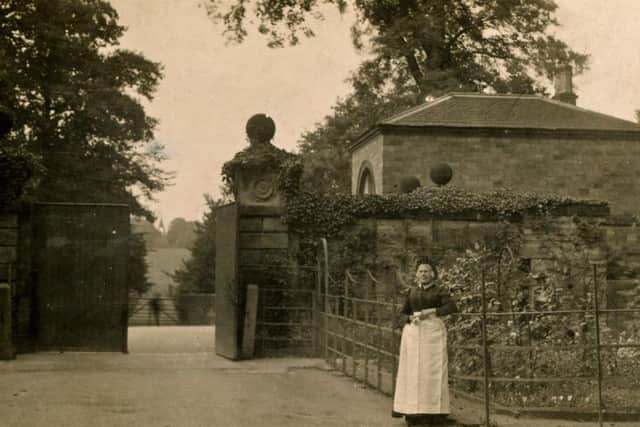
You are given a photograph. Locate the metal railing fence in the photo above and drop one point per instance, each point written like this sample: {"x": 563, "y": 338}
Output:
{"x": 286, "y": 323}
{"x": 357, "y": 332}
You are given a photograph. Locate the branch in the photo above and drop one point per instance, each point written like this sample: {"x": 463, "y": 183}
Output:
{"x": 490, "y": 54}
{"x": 414, "y": 69}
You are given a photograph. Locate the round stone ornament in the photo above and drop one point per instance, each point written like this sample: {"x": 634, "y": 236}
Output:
{"x": 441, "y": 174}
{"x": 263, "y": 188}
{"x": 408, "y": 184}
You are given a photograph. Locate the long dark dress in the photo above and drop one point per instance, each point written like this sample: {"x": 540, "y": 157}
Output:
{"x": 422, "y": 380}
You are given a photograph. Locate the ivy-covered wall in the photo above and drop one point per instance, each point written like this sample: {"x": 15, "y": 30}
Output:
{"x": 391, "y": 229}
{"x": 623, "y": 239}
{"x": 538, "y": 241}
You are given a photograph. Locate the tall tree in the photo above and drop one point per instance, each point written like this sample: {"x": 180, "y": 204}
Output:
{"x": 137, "y": 267}
{"x": 199, "y": 272}
{"x": 417, "y": 49}
{"x": 77, "y": 101}
{"x": 324, "y": 151}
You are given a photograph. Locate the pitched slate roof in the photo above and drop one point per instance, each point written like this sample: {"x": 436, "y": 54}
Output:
{"x": 470, "y": 110}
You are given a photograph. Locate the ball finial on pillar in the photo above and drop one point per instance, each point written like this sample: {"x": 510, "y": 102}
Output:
{"x": 260, "y": 129}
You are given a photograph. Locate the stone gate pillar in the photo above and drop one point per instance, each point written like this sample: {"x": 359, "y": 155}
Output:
{"x": 264, "y": 244}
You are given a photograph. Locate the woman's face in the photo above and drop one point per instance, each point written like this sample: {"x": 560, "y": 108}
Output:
{"x": 424, "y": 274}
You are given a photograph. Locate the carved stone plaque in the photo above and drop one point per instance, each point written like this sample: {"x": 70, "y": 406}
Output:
{"x": 257, "y": 188}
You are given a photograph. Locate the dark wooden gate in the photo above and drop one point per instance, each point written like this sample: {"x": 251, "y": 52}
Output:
{"x": 228, "y": 296}
{"x": 80, "y": 254}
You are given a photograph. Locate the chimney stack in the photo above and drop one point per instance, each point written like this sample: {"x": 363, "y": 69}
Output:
{"x": 563, "y": 83}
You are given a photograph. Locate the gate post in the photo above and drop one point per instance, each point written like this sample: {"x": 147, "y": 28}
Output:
{"x": 7, "y": 351}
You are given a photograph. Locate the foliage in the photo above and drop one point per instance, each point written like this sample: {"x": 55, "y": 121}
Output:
{"x": 77, "y": 102}
{"x": 16, "y": 169}
{"x": 137, "y": 268}
{"x": 495, "y": 43}
{"x": 531, "y": 335}
{"x": 324, "y": 215}
{"x": 198, "y": 273}
{"x": 531, "y": 345}
{"x": 255, "y": 157}
{"x": 324, "y": 151}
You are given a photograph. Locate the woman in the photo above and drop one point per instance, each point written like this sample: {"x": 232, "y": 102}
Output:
{"x": 422, "y": 392}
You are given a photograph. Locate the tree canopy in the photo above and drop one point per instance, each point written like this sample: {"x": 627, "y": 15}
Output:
{"x": 417, "y": 49}
{"x": 324, "y": 150}
{"x": 77, "y": 102}
{"x": 428, "y": 46}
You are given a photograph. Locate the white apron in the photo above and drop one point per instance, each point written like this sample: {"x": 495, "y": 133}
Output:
{"x": 422, "y": 380}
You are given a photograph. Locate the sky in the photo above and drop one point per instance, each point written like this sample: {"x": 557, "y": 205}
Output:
{"x": 211, "y": 88}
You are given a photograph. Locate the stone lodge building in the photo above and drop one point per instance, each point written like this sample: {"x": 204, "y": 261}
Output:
{"x": 522, "y": 142}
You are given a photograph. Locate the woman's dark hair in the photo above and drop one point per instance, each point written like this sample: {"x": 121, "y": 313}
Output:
{"x": 428, "y": 262}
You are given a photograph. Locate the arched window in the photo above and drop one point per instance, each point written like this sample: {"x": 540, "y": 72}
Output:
{"x": 366, "y": 183}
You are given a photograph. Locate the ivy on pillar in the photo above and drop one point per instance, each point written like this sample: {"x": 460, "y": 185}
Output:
{"x": 253, "y": 172}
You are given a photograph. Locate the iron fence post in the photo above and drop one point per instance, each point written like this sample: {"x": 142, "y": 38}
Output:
{"x": 316, "y": 308}
{"x": 598, "y": 348}
{"x": 485, "y": 350}
{"x": 394, "y": 347}
{"x": 378, "y": 308}
{"x": 354, "y": 338}
{"x": 367, "y": 331}
{"x": 343, "y": 321}
{"x": 325, "y": 320}
{"x": 314, "y": 322}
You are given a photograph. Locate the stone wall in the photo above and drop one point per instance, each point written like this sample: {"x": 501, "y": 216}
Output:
{"x": 584, "y": 168}
{"x": 401, "y": 241}
{"x": 263, "y": 238}
{"x": 550, "y": 244}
